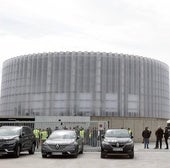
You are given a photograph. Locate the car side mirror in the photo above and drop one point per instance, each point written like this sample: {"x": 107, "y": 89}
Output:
{"x": 78, "y": 137}
{"x": 23, "y": 134}
{"x": 132, "y": 137}
{"x": 102, "y": 136}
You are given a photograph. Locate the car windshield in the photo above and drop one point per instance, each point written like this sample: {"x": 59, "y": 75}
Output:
{"x": 63, "y": 135}
{"x": 120, "y": 133}
{"x": 9, "y": 131}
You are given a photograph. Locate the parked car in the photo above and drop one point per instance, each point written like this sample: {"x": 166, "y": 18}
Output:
{"x": 117, "y": 142}
{"x": 62, "y": 142}
{"x": 14, "y": 139}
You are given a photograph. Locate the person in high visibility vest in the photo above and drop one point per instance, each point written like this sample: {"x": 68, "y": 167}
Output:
{"x": 82, "y": 132}
{"x": 37, "y": 136}
{"x": 44, "y": 135}
{"x": 90, "y": 137}
{"x": 130, "y": 132}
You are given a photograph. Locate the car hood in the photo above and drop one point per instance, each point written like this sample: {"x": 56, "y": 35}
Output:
{"x": 120, "y": 140}
{"x": 8, "y": 137}
{"x": 59, "y": 141}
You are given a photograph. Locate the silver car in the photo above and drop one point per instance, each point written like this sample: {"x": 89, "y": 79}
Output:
{"x": 62, "y": 142}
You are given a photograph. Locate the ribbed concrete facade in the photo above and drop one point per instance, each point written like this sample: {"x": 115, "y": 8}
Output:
{"x": 85, "y": 84}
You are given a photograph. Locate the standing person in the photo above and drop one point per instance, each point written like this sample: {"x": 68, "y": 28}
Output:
{"x": 37, "y": 136}
{"x": 130, "y": 132}
{"x": 49, "y": 131}
{"x": 94, "y": 137}
{"x": 146, "y": 135}
{"x": 166, "y": 135}
{"x": 44, "y": 135}
{"x": 82, "y": 133}
{"x": 90, "y": 137}
{"x": 159, "y": 135}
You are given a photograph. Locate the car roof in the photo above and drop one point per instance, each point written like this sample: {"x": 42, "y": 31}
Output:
{"x": 12, "y": 127}
{"x": 62, "y": 130}
{"x": 116, "y": 129}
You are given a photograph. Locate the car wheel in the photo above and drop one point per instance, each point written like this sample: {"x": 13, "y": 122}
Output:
{"x": 76, "y": 155}
{"x": 17, "y": 151}
{"x": 102, "y": 155}
{"x": 131, "y": 156}
{"x": 81, "y": 152}
{"x": 32, "y": 150}
{"x": 44, "y": 155}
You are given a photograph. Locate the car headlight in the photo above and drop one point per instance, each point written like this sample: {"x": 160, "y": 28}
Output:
{"x": 74, "y": 143}
{"x": 106, "y": 140}
{"x": 11, "y": 142}
{"x": 130, "y": 142}
{"x": 45, "y": 143}
{"x": 104, "y": 143}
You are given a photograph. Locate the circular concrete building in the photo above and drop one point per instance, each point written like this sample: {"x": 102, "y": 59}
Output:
{"x": 85, "y": 84}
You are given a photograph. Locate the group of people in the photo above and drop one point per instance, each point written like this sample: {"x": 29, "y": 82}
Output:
{"x": 41, "y": 135}
{"x": 159, "y": 133}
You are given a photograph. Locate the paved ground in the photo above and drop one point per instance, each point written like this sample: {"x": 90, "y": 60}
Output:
{"x": 144, "y": 158}
{"x": 138, "y": 147}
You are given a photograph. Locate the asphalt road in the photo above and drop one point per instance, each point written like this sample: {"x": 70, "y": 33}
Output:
{"x": 144, "y": 158}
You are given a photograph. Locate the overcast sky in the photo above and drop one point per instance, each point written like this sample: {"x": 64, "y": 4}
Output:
{"x": 137, "y": 27}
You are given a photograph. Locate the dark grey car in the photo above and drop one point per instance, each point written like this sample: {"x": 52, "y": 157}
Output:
{"x": 117, "y": 142}
{"x": 62, "y": 142}
{"x": 14, "y": 139}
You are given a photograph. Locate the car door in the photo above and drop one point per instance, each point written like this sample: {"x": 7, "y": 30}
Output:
{"x": 26, "y": 138}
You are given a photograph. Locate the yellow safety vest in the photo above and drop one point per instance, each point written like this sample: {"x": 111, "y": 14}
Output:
{"x": 90, "y": 135}
{"x": 44, "y": 135}
{"x": 36, "y": 133}
{"x": 82, "y": 133}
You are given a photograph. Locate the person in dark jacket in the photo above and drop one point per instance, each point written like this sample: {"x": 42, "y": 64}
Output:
{"x": 146, "y": 135}
{"x": 159, "y": 135}
{"x": 166, "y": 135}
